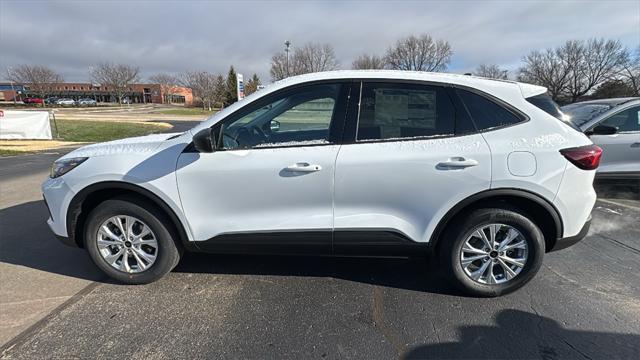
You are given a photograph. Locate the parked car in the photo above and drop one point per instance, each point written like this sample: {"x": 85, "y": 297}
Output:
{"x": 50, "y": 100}
{"x": 32, "y": 100}
{"x": 384, "y": 163}
{"x": 126, "y": 101}
{"x": 86, "y": 102}
{"x": 614, "y": 125}
{"x": 65, "y": 102}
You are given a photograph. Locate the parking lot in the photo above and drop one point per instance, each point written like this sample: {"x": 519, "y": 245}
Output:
{"x": 584, "y": 303}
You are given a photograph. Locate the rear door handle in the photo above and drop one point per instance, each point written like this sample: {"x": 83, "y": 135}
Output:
{"x": 458, "y": 162}
{"x": 303, "y": 167}
{"x": 635, "y": 145}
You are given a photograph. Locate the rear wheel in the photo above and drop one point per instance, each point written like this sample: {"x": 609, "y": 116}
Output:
{"x": 493, "y": 251}
{"x": 128, "y": 240}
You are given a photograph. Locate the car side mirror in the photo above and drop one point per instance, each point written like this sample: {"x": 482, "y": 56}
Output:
{"x": 603, "y": 130}
{"x": 274, "y": 125}
{"x": 206, "y": 140}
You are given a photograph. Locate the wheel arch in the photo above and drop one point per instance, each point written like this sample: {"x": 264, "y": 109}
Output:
{"x": 541, "y": 211}
{"x": 91, "y": 196}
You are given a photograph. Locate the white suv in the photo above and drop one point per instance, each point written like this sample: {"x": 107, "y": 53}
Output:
{"x": 373, "y": 163}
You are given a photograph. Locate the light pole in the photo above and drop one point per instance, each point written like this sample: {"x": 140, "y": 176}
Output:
{"x": 287, "y": 44}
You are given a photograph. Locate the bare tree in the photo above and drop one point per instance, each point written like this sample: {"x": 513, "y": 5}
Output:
{"x": 420, "y": 53}
{"x": 491, "y": 71}
{"x": 631, "y": 71}
{"x": 545, "y": 69}
{"x": 40, "y": 80}
{"x": 311, "y": 57}
{"x": 117, "y": 77}
{"x": 368, "y": 62}
{"x": 592, "y": 63}
{"x": 278, "y": 69}
{"x": 168, "y": 84}
{"x": 576, "y": 68}
{"x": 203, "y": 85}
{"x": 314, "y": 57}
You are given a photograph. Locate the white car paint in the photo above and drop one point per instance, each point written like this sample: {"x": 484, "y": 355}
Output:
{"x": 386, "y": 185}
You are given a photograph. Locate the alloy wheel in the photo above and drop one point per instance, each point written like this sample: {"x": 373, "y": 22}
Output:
{"x": 494, "y": 254}
{"x": 127, "y": 244}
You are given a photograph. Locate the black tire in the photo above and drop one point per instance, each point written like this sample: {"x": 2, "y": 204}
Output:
{"x": 168, "y": 254}
{"x": 463, "y": 226}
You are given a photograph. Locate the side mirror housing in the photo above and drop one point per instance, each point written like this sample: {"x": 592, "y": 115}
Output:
{"x": 205, "y": 141}
{"x": 602, "y": 130}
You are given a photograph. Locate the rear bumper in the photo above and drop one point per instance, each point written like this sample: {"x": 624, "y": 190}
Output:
{"x": 564, "y": 243}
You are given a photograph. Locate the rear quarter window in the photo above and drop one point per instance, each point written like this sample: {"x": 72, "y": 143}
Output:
{"x": 486, "y": 113}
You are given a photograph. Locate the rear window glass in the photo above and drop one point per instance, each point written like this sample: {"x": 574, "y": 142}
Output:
{"x": 545, "y": 103}
{"x": 485, "y": 113}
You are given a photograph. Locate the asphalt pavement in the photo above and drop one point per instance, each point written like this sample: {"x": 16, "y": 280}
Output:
{"x": 584, "y": 303}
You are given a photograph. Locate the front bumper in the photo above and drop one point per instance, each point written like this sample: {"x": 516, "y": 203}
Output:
{"x": 564, "y": 243}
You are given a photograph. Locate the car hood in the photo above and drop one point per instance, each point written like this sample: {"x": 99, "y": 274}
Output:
{"x": 135, "y": 145}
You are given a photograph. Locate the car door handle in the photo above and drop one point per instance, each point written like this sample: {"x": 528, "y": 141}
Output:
{"x": 635, "y": 145}
{"x": 458, "y": 162}
{"x": 303, "y": 167}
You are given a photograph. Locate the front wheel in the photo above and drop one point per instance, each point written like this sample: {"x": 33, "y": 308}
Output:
{"x": 491, "y": 252}
{"x": 129, "y": 241}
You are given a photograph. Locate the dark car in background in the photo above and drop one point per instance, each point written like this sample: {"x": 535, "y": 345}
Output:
{"x": 614, "y": 125}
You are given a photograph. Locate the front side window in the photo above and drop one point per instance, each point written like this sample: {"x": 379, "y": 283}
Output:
{"x": 397, "y": 111}
{"x": 297, "y": 118}
{"x": 485, "y": 113}
{"x": 625, "y": 121}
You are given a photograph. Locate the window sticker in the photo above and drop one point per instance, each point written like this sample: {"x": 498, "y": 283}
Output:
{"x": 405, "y": 108}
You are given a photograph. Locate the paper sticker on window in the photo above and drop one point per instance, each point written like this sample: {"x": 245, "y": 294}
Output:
{"x": 405, "y": 108}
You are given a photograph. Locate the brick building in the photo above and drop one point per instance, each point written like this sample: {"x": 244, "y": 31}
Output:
{"x": 137, "y": 93}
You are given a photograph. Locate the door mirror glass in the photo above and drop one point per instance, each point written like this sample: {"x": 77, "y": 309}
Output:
{"x": 603, "y": 130}
{"x": 274, "y": 125}
{"x": 205, "y": 140}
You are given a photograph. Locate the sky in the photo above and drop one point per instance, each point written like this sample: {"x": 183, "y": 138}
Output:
{"x": 175, "y": 36}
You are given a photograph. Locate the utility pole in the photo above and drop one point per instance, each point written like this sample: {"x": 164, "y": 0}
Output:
{"x": 287, "y": 44}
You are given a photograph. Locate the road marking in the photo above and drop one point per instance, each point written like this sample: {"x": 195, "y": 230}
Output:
{"x": 619, "y": 204}
{"x": 31, "y": 330}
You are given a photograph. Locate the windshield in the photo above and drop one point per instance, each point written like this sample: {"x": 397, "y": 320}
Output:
{"x": 580, "y": 114}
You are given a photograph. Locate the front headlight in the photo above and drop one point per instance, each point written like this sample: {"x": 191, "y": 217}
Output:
{"x": 63, "y": 166}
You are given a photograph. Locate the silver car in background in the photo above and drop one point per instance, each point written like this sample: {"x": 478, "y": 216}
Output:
{"x": 614, "y": 125}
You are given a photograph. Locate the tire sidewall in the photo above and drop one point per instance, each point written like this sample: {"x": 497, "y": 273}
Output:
{"x": 532, "y": 234}
{"x": 168, "y": 254}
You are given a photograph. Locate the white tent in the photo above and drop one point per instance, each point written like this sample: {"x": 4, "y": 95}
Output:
{"x": 24, "y": 125}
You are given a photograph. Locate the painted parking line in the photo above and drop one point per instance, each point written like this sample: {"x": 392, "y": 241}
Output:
{"x": 607, "y": 201}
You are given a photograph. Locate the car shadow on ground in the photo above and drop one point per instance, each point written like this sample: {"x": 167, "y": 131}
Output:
{"x": 416, "y": 274}
{"x": 520, "y": 334}
{"x": 618, "y": 189}
{"x": 26, "y": 240}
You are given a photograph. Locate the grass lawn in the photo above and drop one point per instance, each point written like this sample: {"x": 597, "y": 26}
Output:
{"x": 7, "y": 152}
{"x": 98, "y": 131}
{"x": 186, "y": 111}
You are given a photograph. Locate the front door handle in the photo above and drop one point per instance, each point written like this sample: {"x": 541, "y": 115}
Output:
{"x": 635, "y": 145}
{"x": 457, "y": 162}
{"x": 303, "y": 167}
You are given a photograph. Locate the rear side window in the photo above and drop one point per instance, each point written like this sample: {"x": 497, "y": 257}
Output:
{"x": 545, "y": 103}
{"x": 396, "y": 111}
{"x": 485, "y": 113}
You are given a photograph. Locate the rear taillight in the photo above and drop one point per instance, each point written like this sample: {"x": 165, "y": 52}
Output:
{"x": 585, "y": 157}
